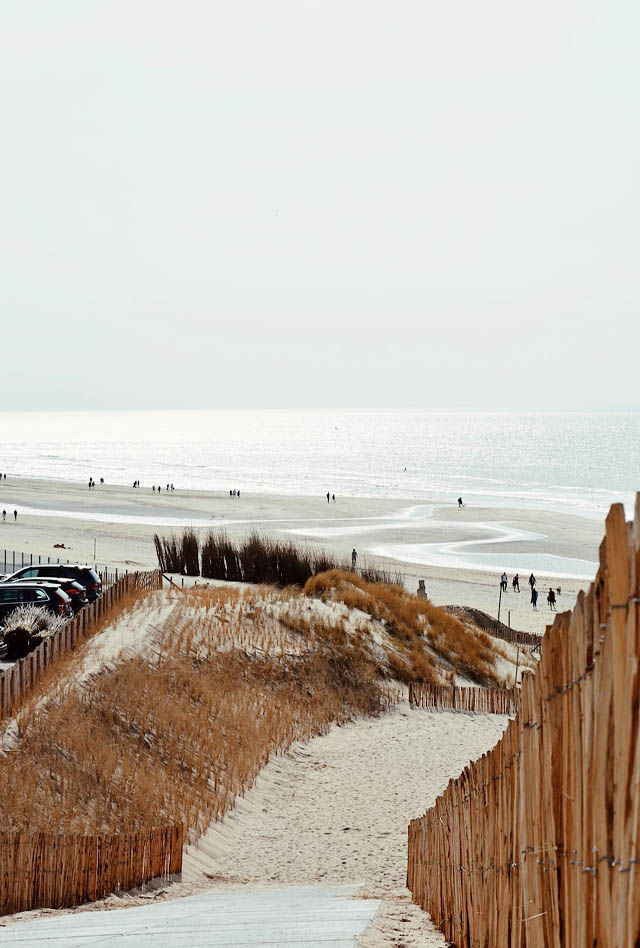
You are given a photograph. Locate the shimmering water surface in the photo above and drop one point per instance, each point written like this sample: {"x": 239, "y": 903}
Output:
{"x": 577, "y": 462}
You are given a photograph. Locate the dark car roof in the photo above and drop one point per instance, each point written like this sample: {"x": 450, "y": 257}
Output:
{"x": 55, "y": 587}
{"x": 43, "y": 581}
{"x": 34, "y": 581}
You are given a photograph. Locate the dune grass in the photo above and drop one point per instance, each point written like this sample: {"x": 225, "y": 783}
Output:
{"x": 177, "y": 732}
{"x": 428, "y": 637}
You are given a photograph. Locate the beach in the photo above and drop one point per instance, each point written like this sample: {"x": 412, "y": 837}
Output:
{"x": 460, "y": 553}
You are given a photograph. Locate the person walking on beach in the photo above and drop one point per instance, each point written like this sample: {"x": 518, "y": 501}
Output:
{"x": 551, "y": 599}
{"x": 15, "y": 515}
{"x": 532, "y": 581}
{"x": 516, "y": 583}
{"x": 354, "y": 559}
{"x": 460, "y": 504}
{"x": 534, "y": 598}
{"x": 4, "y": 514}
{"x": 421, "y": 592}
{"x": 328, "y": 496}
{"x": 503, "y": 582}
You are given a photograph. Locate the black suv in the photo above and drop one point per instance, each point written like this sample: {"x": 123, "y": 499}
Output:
{"x": 48, "y": 595}
{"x": 84, "y": 575}
{"x": 76, "y": 593}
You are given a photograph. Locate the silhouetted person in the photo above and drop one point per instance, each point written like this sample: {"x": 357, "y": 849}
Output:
{"x": 532, "y": 580}
{"x": 534, "y": 597}
{"x": 328, "y": 496}
{"x": 354, "y": 558}
{"x": 551, "y": 599}
{"x": 15, "y": 514}
{"x": 421, "y": 592}
{"x": 516, "y": 583}
{"x": 333, "y": 498}
{"x": 460, "y": 504}
{"x": 4, "y": 514}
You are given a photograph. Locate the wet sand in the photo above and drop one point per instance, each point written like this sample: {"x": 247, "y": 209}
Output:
{"x": 450, "y": 547}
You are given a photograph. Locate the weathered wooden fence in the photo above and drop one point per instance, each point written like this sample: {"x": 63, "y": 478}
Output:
{"x": 538, "y": 842}
{"x": 454, "y": 698}
{"x": 39, "y": 869}
{"x": 17, "y": 681}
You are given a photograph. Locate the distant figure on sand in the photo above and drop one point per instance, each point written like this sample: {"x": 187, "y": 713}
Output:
{"x": 328, "y": 496}
{"x": 532, "y": 580}
{"x": 534, "y": 597}
{"x": 421, "y": 592}
{"x": 503, "y": 582}
{"x": 333, "y": 498}
{"x": 460, "y": 504}
{"x": 516, "y": 583}
{"x": 4, "y": 514}
{"x": 551, "y": 599}
{"x": 15, "y": 514}
{"x": 354, "y": 558}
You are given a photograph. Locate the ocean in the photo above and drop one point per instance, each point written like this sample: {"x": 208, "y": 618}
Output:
{"x": 575, "y": 462}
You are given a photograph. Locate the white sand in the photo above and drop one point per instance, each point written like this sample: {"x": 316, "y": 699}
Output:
{"x": 336, "y": 810}
{"x": 122, "y": 522}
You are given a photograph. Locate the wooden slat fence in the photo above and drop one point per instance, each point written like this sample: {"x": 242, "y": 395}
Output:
{"x": 39, "y": 869}
{"x": 537, "y": 843}
{"x": 17, "y": 681}
{"x": 455, "y": 698}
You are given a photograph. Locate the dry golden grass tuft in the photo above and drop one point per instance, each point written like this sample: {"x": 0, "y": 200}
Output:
{"x": 176, "y": 732}
{"x": 427, "y": 637}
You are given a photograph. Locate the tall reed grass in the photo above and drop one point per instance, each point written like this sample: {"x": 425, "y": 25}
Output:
{"x": 254, "y": 559}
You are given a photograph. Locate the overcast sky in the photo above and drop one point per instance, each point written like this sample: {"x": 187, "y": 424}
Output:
{"x": 319, "y": 203}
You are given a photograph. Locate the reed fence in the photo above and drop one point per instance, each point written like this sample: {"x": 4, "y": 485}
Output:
{"x": 41, "y": 870}
{"x": 494, "y": 627}
{"x": 454, "y": 698}
{"x": 17, "y": 681}
{"x": 537, "y": 843}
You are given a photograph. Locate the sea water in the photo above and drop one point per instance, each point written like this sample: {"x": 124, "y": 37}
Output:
{"x": 578, "y": 461}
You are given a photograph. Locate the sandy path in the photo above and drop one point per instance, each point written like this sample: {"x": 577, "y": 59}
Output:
{"x": 335, "y": 810}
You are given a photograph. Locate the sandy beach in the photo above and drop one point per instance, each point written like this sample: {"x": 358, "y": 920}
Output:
{"x": 459, "y": 552}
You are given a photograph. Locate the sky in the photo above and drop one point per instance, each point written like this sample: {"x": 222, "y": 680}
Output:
{"x": 319, "y": 204}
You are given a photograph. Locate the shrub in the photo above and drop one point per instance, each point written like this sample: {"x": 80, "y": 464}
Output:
{"x": 26, "y": 627}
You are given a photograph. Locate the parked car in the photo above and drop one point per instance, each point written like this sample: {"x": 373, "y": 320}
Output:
{"x": 75, "y": 590}
{"x": 85, "y": 575}
{"x": 48, "y": 595}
